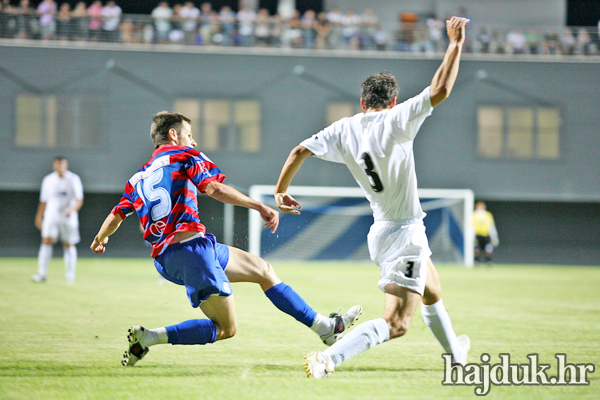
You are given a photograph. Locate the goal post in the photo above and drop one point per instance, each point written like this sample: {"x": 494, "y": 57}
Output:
{"x": 334, "y": 223}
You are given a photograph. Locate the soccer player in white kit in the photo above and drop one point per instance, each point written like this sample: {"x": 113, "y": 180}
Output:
{"x": 377, "y": 148}
{"x": 61, "y": 199}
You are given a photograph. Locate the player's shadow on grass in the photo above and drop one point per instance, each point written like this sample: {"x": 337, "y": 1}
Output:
{"x": 384, "y": 368}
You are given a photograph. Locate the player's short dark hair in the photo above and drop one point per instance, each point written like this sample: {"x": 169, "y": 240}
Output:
{"x": 60, "y": 158}
{"x": 162, "y": 122}
{"x": 378, "y": 90}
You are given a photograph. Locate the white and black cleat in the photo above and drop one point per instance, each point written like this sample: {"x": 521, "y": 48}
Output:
{"x": 341, "y": 324}
{"x": 136, "y": 350}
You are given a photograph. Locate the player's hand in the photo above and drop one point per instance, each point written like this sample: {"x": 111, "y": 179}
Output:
{"x": 495, "y": 242}
{"x": 270, "y": 216}
{"x": 98, "y": 245}
{"x": 456, "y": 29}
{"x": 287, "y": 203}
{"x": 38, "y": 222}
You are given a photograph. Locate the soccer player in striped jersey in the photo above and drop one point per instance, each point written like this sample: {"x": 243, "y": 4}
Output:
{"x": 377, "y": 148}
{"x": 163, "y": 194}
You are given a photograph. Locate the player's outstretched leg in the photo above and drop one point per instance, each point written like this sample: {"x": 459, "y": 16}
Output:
{"x": 245, "y": 267}
{"x": 221, "y": 325}
{"x": 400, "y": 305}
{"x": 437, "y": 319}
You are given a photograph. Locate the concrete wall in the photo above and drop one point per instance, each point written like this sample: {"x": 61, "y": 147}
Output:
{"x": 293, "y": 108}
{"x": 547, "y": 212}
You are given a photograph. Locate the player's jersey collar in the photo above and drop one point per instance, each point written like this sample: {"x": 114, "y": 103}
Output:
{"x": 168, "y": 147}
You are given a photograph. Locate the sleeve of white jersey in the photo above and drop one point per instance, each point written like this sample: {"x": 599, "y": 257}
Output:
{"x": 409, "y": 115}
{"x": 45, "y": 191}
{"x": 325, "y": 144}
{"x": 77, "y": 188}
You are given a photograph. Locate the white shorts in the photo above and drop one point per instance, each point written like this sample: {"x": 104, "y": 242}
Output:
{"x": 401, "y": 250}
{"x": 60, "y": 227}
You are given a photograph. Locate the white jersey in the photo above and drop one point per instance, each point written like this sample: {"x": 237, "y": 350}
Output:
{"x": 59, "y": 194}
{"x": 377, "y": 148}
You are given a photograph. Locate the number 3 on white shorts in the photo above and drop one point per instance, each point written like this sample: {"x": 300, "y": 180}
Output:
{"x": 409, "y": 269}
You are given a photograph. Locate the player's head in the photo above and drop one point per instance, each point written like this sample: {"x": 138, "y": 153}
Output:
{"x": 480, "y": 205}
{"x": 60, "y": 165}
{"x": 168, "y": 127}
{"x": 379, "y": 91}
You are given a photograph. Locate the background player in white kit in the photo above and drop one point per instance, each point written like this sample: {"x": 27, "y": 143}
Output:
{"x": 377, "y": 148}
{"x": 61, "y": 199}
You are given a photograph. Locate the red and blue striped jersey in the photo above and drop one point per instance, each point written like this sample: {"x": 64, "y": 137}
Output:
{"x": 163, "y": 194}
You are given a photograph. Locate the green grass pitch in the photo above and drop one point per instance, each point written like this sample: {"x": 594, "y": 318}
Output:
{"x": 60, "y": 341}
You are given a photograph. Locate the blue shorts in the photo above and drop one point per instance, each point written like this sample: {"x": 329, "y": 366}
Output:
{"x": 199, "y": 265}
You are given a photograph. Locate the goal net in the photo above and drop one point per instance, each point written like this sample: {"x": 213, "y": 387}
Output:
{"x": 334, "y": 222}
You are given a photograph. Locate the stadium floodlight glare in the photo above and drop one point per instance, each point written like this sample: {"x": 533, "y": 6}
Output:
{"x": 334, "y": 223}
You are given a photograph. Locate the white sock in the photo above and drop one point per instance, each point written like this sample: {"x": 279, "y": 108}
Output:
{"x": 322, "y": 325}
{"x": 44, "y": 256}
{"x": 70, "y": 257}
{"x": 437, "y": 319}
{"x": 365, "y": 336}
{"x": 155, "y": 336}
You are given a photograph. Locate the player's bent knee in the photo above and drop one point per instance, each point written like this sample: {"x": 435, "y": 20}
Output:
{"x": 268, "y": 277}
{"x": 226, "y": 332}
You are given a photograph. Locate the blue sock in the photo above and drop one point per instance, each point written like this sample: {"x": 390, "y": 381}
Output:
{"x": 194, "y": 331}
{"x": 290, "y": 302}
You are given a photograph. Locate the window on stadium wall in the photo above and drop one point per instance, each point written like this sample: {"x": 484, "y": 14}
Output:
{"x": 525, "y": 133}
{"x": 337, "y": 110}
{"x": 59, "y": 120}
{"x": 223, "y": 124}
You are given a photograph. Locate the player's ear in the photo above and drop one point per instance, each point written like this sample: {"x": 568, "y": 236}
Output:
{"x": 393, "y": 103}
{"x": 173, "y": 135}
{"x": 362, "y": 104}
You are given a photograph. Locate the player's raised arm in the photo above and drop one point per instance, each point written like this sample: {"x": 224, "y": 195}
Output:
{"x": 109, "y": 226}
{"x": 285, "y": 202}
{"x": 445, "y": 76}
{"x": 227, "y": 194}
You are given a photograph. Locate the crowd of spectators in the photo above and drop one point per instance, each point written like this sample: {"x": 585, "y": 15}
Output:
{"x": 187, "y": 24}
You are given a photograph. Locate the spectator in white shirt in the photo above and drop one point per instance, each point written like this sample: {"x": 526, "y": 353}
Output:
{"x": 246, "y": 18}
{"x": 436, "y": 27}
{"x": 517, "y": 41}
{"x": 111, "y": 15}
{"x": 189, "y": 15}
{"x": 162, "y": 21}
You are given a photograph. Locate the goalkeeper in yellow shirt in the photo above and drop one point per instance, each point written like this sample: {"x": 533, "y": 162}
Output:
{"x": 485, "y": 232}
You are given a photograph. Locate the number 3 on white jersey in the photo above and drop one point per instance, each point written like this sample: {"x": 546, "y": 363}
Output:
{"x": 155, "y": 197}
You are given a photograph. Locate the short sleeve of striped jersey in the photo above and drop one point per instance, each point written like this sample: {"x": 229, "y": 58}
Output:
{"x": 201, "y": 171}
{"x": 125, "y": 206}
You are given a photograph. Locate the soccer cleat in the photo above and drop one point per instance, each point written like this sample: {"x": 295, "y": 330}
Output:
{"x": 38, "y": 278}
{"x": 465, "y": 344}
{"x": 317, "y": 365}
{"x": 341, "y": 324}
{"x": 136, "y": 350}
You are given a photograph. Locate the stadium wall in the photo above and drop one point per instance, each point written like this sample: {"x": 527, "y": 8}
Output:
{"x": 293, "y": 108}
{"x": 137, "y": 82}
